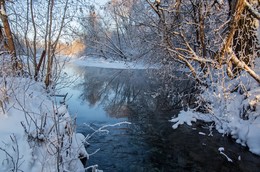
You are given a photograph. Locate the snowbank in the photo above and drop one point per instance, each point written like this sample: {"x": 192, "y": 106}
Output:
{"x": 36, "y": 133}
{"x": 233, "y": 106}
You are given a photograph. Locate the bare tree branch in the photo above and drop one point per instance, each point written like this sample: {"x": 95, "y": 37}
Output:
{"x": 252, "y": 10}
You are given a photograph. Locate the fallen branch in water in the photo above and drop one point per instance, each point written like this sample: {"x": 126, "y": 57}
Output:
{"x": 103, "y": 128}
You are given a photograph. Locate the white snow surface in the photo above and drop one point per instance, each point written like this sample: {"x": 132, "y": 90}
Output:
{"x": 113, "y": 64}
{"x": 235, "y": 113}
{"x": 29, "y": 135}
{"x": 184, "y": 117}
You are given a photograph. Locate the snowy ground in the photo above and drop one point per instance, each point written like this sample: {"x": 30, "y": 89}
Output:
{"x": 36, "y": 133}
{"x": 99, "y": 62}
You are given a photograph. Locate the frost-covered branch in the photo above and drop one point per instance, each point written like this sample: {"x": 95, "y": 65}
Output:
{"x": 94, "y": 168}
{"x": 103, "y": 129}
{"x": 221, "y": 151}
{"x": 252, "y": 10}
{"x": 14, "y": 155}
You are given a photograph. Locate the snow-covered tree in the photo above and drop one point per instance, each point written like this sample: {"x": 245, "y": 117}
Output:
{"x": 39, "y": 27}
{"x": 195, "y": 36}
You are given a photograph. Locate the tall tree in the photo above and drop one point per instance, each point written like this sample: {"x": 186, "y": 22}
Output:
{"x": 237, "y": 56}
{"x": 8, "y": 33}
{"x": 92, "y": 30}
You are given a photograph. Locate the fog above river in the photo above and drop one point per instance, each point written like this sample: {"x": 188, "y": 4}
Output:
{"x": 119, "y": 91}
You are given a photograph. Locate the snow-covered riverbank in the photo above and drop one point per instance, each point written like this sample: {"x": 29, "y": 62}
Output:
{"x": 36, "y": 132}
{"x": 112, "y": 64}
{"x": 233, "y": 106}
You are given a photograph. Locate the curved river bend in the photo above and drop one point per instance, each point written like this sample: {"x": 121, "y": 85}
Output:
{"x": 102, "y": 96}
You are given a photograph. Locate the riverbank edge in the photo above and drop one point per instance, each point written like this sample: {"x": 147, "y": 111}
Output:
{"x": 37, "y": 132}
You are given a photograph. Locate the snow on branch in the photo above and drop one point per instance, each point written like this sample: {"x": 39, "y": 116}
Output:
{"x": 221, "y": 151}
{"x": 2, "y": 10}
{"x": 103, "y": 129}
{"x": 184, "y": 117}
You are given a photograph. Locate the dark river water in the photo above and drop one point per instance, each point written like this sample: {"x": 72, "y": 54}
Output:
{"x": 102, "y": 97}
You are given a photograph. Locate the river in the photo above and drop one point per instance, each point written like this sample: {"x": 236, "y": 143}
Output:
{"x": 101, "y": 96}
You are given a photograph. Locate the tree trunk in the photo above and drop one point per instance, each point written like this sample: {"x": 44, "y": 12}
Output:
{"x": 34, "y": 52}
{"x": 245, "y": 42}
{"x": 39, "y": 65}
{"x": 234, "y": 40}
{"x": 233, "y": 26}
{"x": 2, "y": 39}
{"x": 8, "y": 33}
{"x": 50, "y": 49}
{"x": 244, "y": 66}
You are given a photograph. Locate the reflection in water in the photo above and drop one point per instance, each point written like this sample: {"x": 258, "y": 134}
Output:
{"x": 105, "y": 96}
{"x": 120, "y": 91}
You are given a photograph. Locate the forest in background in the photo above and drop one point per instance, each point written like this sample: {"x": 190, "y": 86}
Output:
{"x": 199, "y": 35}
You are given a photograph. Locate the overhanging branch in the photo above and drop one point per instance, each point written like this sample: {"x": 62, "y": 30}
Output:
{"x": 252, "y": 10}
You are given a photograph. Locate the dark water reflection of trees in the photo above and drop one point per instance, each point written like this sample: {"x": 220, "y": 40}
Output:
{"x": 120, "y": 91}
